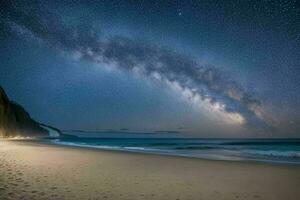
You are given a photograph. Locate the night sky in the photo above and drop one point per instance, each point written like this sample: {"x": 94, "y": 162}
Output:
{"x": 203, "y": 68}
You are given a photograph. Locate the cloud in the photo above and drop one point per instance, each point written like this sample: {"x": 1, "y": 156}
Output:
{"x": 201, "y": 84}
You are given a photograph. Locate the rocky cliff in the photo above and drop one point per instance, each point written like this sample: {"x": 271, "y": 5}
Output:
{"x": 15, "y": 121}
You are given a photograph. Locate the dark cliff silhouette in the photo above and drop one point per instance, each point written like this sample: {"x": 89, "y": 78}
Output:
{"x": 15, "y": 121}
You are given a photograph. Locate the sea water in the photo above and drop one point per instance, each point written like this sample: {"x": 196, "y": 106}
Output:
{"x": 263, "y": 150}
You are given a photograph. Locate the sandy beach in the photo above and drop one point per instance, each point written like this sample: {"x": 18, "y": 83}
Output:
{"x": 31, "y": 170}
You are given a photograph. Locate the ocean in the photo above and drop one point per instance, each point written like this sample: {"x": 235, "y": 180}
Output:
{"x": 285, "y": 151}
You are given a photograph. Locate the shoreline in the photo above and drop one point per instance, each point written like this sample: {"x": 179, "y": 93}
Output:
{"x": 243, "y": 160}
{"x": 35, "y": 170}
{"x": 119, "y": 151}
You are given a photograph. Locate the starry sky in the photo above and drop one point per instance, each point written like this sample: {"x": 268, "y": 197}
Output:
{"x": 199, "y": 68}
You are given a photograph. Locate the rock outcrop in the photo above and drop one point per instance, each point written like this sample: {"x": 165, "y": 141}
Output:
{"x": 15, "y": 121}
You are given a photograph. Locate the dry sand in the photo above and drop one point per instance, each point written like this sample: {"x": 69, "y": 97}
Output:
{"x": 30, "y": 170}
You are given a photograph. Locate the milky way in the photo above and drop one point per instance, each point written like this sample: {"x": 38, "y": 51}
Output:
{"x": 201, "y": 84}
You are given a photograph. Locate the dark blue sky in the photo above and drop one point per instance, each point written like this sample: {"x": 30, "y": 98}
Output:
{"x": 205, "y": 68}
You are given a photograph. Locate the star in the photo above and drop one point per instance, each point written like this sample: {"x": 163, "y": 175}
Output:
{"x": 179, "y": 12}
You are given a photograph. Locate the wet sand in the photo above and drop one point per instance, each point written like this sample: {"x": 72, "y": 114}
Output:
{"x": 31, "y": 170}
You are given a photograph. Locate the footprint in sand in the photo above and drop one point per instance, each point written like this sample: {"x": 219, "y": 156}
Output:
{"x": 11, "y": 194}
{"x": 42, "y": 193}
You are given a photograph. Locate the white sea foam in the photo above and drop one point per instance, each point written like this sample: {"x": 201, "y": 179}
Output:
{"x": 21, "y": 138}
{"x": 86, "y": 145}
{"x": 279, "y": 154}
{"x": 274, "y": 153}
